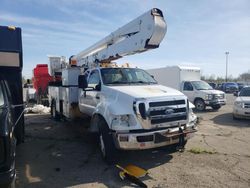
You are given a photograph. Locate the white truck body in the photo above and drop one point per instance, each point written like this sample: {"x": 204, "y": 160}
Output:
{"x": 181, "y": 77}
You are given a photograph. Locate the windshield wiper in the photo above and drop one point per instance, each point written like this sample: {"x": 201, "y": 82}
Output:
{"x": 142, "y": 82}
{"x": 117, "y": 82}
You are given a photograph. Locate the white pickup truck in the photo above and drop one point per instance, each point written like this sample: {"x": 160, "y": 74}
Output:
{"x": 188, "y": 81}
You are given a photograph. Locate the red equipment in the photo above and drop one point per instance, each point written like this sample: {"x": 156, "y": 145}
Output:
{"x": 41, "y": 79}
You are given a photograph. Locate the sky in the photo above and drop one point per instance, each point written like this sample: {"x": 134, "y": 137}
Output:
{"x": 199, "y": 32}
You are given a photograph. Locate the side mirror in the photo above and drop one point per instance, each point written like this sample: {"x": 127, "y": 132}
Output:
{"x": 152, "y": 76}
{"x": 82, "y": 82}
{"x": 98, "y": 87}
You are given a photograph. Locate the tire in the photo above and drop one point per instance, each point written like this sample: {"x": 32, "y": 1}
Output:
{"x": 106, "y": 143}
{"x": 19, "y": 131}
{"x": 216, "y": 107}
{"x": 53, "y": 112}
{"x": 200, "y": 105}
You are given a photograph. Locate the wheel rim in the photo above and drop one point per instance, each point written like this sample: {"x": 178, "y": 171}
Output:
{"x": 199, "y": 105}
{"x": 102, "y": 146}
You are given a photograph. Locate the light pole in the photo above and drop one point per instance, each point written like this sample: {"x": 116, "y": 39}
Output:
{"x": 226, "y": 63}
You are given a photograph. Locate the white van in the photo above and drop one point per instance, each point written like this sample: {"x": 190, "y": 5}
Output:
{"x": 188, "y": 81}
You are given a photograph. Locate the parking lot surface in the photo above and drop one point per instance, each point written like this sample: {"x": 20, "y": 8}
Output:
{"x": 64, "y": 154}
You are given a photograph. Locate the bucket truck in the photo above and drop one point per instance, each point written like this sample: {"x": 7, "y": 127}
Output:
{"x": 128, "y": 109}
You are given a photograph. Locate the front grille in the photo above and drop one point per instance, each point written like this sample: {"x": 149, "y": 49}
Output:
{"x": 219, "y": 96}
{"x": 167, "y": 111}
{"x": 164, "y": 120}
{"x": 147, "y": 138}
{"x": 162, "y": 112}
{"x": 246, "y": 105}
{"x": 166, "y": 103}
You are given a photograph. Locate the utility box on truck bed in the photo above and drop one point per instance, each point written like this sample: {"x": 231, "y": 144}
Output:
{"x": 11, "y": 100}
{"x": 177, "y": 74}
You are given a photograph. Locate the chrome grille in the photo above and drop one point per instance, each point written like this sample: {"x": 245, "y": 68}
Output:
{"x": 246, "y": 105}
{"x": 219, "y": 96}
{"x": 167, "y": 111}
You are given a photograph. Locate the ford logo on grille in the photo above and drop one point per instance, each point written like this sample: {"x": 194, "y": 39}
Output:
{"x": 169, "y": 111}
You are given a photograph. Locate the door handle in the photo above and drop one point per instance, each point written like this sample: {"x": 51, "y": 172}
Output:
{"x": 97, "y": 97}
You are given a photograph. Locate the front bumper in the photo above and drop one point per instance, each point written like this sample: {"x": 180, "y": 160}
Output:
{"x": 242, "y": 113}
{"x": 215, "y": 102}
{"x": 154, "y": 139}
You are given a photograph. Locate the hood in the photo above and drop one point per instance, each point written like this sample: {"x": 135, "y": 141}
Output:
{"x": 147, "y": 91}
{"x": 243, "y": 99}
{"x": 125, "y": 96}
{"x": 213, "y": 91}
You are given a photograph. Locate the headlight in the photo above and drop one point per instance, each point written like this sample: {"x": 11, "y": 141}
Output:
{"x": 121, "y": 120}
{"x": 209, "y": 97}
{"x": 238, "y": 104}
{"x": 124, "y": 118}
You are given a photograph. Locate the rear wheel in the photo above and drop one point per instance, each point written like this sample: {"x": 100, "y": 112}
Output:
{"x": 200, "y": 105}
{"x": 106, "y": 142}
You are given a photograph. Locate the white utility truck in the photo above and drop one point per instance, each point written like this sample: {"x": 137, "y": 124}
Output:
{"x": 188, "y": 81}
{"x": 128, "y": 109}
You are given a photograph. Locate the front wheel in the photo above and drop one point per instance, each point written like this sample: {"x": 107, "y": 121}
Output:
{"x": 106, "y": 142}
{"x": 200, "y": 104}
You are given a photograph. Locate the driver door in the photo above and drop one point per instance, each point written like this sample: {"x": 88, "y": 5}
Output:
{"x": 90, "y": 97}
{"x": 188, "y": 90}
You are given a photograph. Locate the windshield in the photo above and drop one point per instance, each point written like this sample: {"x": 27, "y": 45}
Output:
{"x": 118, "y": 76}
{"x": 231, "y": 84}
{"x": 201, "y": 85}
{"x": 245, "y": 92}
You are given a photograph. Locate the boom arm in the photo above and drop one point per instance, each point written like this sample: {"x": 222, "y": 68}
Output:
{"x": 142, "y": 34}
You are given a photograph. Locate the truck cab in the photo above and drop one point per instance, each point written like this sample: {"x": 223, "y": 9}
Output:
{"x": 130, "y": 110}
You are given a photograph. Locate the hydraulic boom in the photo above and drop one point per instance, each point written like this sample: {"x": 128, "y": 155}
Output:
{"x": 142, "y": 34}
